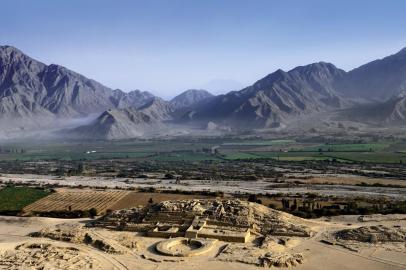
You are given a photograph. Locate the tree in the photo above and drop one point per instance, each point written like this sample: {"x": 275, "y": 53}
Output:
{"x": 92, "y": 212}
{"x": 294, "y": 205}
{"x": 252, "y": 198}
{"x": 169, "y": 176}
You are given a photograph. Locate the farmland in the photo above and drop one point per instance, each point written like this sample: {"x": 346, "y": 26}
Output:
{"x": 71, "y": 200}
{"x": 212, "y": 149}
{"x": 14, "y": 199}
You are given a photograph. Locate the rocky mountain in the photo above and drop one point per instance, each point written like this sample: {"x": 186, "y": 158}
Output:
{"x": 33, "y": 94}
{"x": 117, "y": 124}
{"x": 398, "y": 109}
{"x": 158, "y": 109}
{"x": 277, "y": 97}
{"x": 189, "y": 98}
{"x": 388, "y": 113}
{"x": 135, "y": 98}
{"x": 128, "y": 122}
{"x": 378, "y": 80}
{"x": 31, "y": 89}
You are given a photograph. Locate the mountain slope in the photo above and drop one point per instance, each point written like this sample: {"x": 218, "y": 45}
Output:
{"x": 36, "y": 95}
{"x": 30, "y": 89}
{"x": 117, "y": 124}
{"x": 128, "y": 122}
{"x": 388, "y": 113}
{"x": 158, "y": 109}
{"x": 189, "y": 98}
{"x": 135, "y": 98}
{"x": 278, "y": 96}
{"x": 379, "y": 80}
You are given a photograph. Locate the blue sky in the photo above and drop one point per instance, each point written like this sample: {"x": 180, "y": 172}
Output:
{"x": 168, "y": 46}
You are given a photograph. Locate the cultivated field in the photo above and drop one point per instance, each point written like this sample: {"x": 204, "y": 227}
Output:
{"x": 13, "y": 199}
{"x": 354, "y": 150}
{"x": 71, "y": 200}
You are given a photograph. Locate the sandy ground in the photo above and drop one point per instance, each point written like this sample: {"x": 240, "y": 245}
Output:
{"x": 344, "y": 185}
{"x": 14, "y": 230}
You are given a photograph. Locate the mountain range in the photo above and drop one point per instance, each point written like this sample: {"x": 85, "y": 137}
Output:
{"x": 34, "y": 95}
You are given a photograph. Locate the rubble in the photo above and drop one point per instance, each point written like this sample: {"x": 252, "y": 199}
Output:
{"x": 226, "y": 220}
{"x": 260, "y": 256}
{"x": 78, "y": 234}
{"x": 46, "y": 256}
{"x": 373, "y": 234}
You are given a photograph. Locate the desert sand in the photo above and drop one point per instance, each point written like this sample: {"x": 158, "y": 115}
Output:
{"x": 65, "y": 244}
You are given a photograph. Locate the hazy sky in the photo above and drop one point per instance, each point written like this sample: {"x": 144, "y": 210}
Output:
{"x": 168, "y": 46}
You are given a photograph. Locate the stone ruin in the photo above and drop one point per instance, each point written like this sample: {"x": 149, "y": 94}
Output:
{"x": 225, "y": 220}
{"x": 373, "y": 234}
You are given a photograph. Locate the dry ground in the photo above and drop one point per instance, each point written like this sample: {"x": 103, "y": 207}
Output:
{"x": 351, "y": 180}
{"x": 77, "y": 199}
{"x": 134, "y": 199}
{"x": 84, "y": 199}
{"x": 317, "y": 255}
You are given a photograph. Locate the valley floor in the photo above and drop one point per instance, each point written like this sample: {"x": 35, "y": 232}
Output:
{"x": 337, "y": 185}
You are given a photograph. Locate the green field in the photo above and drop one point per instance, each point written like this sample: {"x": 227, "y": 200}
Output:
{"x": 384, "y": 151}
{"x": 241, "y": 155}
{"x": 96, "y": 151}
{"x": 351, "y": 147}
{"x": 260, "y": 143}
{"x": 175, "y": 156}
{"x": 373, "y": 157}
{"x": 14, "y": 199}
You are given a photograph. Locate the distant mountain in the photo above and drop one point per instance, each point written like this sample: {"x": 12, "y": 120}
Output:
{"x": 222, "y": 85}
{"x": 278, "y": 96}
{"x": 378, "y": 80}
{"x": 30, "y": 89}
{"x": 189, "y": 98}
{"x": 128, "y": 122}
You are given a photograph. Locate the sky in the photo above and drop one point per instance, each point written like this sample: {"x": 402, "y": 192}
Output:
{"x": 168, "y": 46}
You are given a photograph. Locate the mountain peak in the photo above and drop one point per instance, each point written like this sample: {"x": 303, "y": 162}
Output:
{"x": 317, "y": 66}
{"x": 12, "y": 54}
{"x": 190, "y": 97}
{"x": 8, "y": 48}
{"x": 402, "y": 51}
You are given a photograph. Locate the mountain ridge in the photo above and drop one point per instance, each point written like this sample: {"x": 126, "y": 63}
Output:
{"x": 29, "y": 88}
{"x": 36, "y": 94}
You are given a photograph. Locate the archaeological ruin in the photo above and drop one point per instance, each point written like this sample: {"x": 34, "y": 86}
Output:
{"x": 224, "y": 220}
